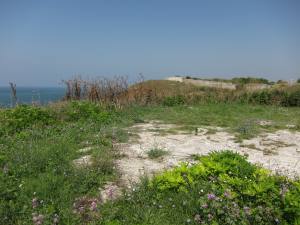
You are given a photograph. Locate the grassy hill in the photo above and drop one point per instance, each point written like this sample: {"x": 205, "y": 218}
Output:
{"x": 41, "y": 184}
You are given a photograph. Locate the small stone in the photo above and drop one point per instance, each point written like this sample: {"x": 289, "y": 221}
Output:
{"x": 83, "y": 161}
{"x": 86, "y": 149}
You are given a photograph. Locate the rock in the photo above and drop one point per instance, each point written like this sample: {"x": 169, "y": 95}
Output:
{"x": 83, "y": 161}
{"x": 265, "y": 123}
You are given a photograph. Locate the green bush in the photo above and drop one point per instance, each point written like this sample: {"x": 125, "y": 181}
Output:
{"x": 282, "y": 97}
{"x": 173, "y": 100}
{"x": 294, "y": 98}
{"x": 83, "y": 110}
{"x": 22, "y": 117}
{"x": 221, "y": 188}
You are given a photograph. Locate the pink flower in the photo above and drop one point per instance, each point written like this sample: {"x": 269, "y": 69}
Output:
{"x": 93, "y": 206}
{"x": 110, "y": 192}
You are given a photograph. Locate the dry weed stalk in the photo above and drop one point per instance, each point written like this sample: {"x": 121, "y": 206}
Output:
{"x": 105, "y": 91}
{"x": 13, "y": 95}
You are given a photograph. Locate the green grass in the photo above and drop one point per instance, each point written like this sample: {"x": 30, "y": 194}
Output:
{"x": 241, "y": 119}
{"x": 36, "y": 159}
{"x": 38, "y": 146}
{"x": 156, "y": 153}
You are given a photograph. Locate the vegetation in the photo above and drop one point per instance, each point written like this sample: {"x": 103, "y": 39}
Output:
{"x": 38, "y": 146}
{"x": 250, "y": 80}
{"x": 117, "y": 93}
{"x": 241, "y": 119}
{"x": 42, "y": 184}
{"x": 221, "y": 188}
{"x": 156, "y": 153}
{"x": 237, "y": 80}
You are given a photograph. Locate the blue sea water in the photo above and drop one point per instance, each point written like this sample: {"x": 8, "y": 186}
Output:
{"x": 29, "y": 95}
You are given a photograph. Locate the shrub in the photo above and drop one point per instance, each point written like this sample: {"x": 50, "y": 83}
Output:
{"x": 294, "y": 98}
{"x": 221, "y": 188}
{"x": 82, "y": 110}
{"x": 173, "y": 100}
{"x": 22, "y": 117}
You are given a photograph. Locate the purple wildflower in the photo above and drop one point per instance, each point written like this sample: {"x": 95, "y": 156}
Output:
{"x": 211, "y": 196}
{"x": 110, "y": 192}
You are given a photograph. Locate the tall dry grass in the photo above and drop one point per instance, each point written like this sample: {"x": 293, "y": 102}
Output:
{"x": 119, "y": 93}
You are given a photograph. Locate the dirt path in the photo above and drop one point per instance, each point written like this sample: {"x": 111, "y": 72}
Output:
{"x": 279, "y": 151}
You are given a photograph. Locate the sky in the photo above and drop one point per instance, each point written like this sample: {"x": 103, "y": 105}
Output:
{"x": 45, "y": 41}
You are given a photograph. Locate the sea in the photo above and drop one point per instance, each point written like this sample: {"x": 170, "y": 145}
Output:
{"x": 31, "y": 95}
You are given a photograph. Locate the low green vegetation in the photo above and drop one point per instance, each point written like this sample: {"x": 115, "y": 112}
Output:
{"x": 221, "y": 188}
{"x": 42, "y": 184}
{"x": 156, "y": 153}
{"x": 37, "y": 149}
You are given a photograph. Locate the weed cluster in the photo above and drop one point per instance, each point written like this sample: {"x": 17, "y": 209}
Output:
{"x": 156, "y": 153}
{"x": 22, "y": 117}
{"x": 221, "y": 188}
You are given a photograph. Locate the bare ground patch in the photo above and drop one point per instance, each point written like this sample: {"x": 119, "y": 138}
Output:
{"x": 278, "y": 151}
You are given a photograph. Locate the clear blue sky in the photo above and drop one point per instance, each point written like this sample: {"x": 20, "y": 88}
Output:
{"x": 42, "y": 42}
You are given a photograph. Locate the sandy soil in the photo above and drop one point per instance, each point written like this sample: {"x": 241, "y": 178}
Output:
{"x": 279, "y": 151}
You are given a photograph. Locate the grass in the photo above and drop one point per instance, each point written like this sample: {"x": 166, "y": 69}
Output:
{"x": 241, "y": 119}
{"x": 38, "y": 146}
{"x": 156, "y": 153}
{"x": 36, "y": 160}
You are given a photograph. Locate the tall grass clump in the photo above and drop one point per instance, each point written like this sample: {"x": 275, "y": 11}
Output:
{"x": 102, "y": 90}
